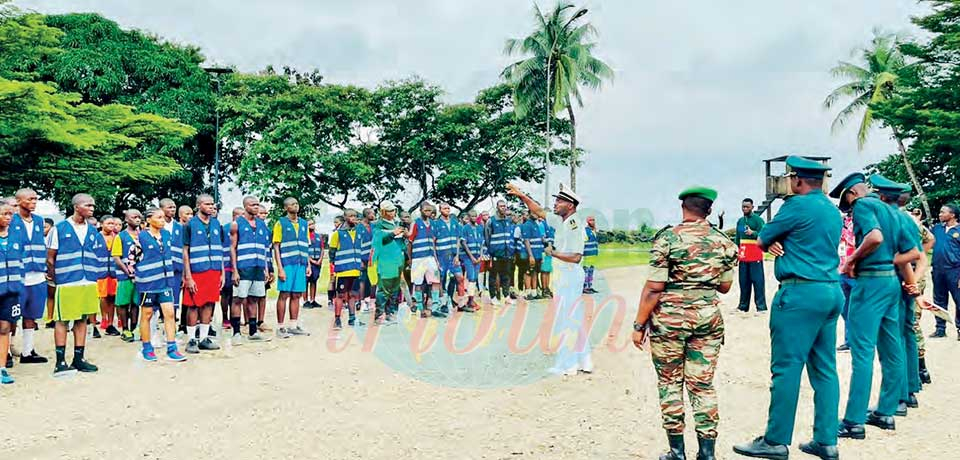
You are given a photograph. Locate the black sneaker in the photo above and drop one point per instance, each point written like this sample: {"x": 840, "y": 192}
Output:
{"x": 438, "y": 314}
{"x": 62, "y": 370}
{"x": 111, "y": 331}
{"x": 938, "y": 334}
{"x": 50, "y": 325}
{"x": 96, "y": 332}
{"x": 32, "y": 358}
{"x": 355, "y": 322}
{"x": 81, "y": 365}
{"x": 208, "y": 345}
{"x": 212, "y": 333}
{"x": 339, "y": 325}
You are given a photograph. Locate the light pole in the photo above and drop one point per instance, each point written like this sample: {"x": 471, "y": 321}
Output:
{"x": 216, "y": 72}
{"x": 546, "y": 157}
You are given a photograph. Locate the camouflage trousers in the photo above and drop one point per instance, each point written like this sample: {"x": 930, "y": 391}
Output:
{"x": 917, "y": 331}
{"x": 685, "y": 345}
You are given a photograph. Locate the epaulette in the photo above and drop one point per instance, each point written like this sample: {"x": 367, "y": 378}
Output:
{"x": 668, "y": 227}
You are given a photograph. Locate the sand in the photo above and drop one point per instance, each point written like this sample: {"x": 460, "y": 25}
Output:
{"x": 298, "y": 399}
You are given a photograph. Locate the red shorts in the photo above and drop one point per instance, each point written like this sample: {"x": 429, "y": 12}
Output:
{"x": 107, "y": 287}
{"x": 208, "y": 289}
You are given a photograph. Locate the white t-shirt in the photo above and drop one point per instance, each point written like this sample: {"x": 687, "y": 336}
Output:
{"x": 53, "y": 242}
{"x": 32, "y": 278}
{"x": 569, "y": 235}
{"x": 169, "y": 227}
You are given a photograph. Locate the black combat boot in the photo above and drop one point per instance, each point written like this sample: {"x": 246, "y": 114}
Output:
{"x": 706, "y": 451}
{"x": 676, "y": 448}
{"x": 924, "y": 373}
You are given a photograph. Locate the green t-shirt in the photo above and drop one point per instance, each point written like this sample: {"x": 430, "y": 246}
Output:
{"x": 753, "y": 222}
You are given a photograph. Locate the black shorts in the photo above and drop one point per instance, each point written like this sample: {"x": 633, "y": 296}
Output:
{"x": 314, "y": 273}
{"x": 10, "y": 310}
{"x": 227, "y": 289}
{"x": 523, "y": 264}
{"x": 348, "y": 285}
{"x": 535, "y": 268}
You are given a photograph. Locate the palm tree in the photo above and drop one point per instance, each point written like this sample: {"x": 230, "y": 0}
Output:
{"x": 558, "y": 59}
{"x": 871, "y": 83}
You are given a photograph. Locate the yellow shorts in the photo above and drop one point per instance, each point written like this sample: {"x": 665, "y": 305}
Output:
{"x": 372, "y": 274}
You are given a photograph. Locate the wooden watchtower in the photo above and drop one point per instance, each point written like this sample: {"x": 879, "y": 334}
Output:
{"x": 778, "y": 184}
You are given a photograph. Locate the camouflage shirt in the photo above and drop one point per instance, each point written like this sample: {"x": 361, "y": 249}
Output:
{"x": 692, "y": 257}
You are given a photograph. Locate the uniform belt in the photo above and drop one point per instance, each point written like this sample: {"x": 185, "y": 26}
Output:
{"x": 802, "y": 281}
{"x": 696, "y": 292}
{"x": 876, "y": 273}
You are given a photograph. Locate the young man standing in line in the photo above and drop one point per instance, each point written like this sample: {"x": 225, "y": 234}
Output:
{"x": 33, "y": 296}
{"x": 248, "y": 255}
{"x": 202, "y": 273}
{"x": 291, "y": 246}
{"x": 125, "y": 255}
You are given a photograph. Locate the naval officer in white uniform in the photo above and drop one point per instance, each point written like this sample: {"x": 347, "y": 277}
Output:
{"x": 573, "y": 354}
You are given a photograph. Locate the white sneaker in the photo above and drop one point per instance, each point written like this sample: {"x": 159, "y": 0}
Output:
{"x": 281, "y": 333}
{"x": 297, "y": 331}
{"x": 365, "y": 306}
{"x": 236, "y": 340}
{"x": 258, "y": 337}
{"x": 586, "y": 364}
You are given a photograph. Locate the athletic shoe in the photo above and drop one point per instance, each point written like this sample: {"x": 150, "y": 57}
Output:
{"x": 32, "y": 358}
{"x": 438, "y": 314}
{"x": 82, "y": 365}
{"x": 5, "y": 378}
{"x": 127, "y": 336}
{"x": 309, "y": 305}
{"x": 96, "y": 332}
{"x": 209, "y": 345}
{"x": 337, "y": 325}
{"x": 297, "y": 331}
{"x": 175, "y": 356}
{"x": 467, "y": 309}
{"x": 843, "y": 348}
{"x": 355, "y": 322}
{"x": 192, "y": 347}
{"x": 282, "y": 333}
{"x": 62, "y": 370}
{"x": 237, "y": 339}
{"x": 258, "y": 337}
{"x": 49, "y": 325}
{"x": 111, "y": 331}
{"x": 213, "y": 332}
{"x": 148, "y": 355}
{"x": 390, "y": 319}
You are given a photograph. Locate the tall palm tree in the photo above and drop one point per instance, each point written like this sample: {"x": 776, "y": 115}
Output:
{"x": 870, "y": 83}
{"x": 560, "y": 47}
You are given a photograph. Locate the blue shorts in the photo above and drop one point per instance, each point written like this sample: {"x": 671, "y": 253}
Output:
{"x": 471, "y": 269}
{"x": 446, "y": 262}
{"x": 10, "y": 307}
{"x": 155, "y": 299}
{"x": 33, "y": 300}
{"x": 296, "y": 281}
{"x": 177, "y": 288}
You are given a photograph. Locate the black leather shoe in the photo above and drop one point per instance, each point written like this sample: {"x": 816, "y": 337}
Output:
{"x": 851, "y": 430}
{"x": 912, "y": 402}
{"x": 938, "y": 334}
{"x": 707, "y": 449}
{"x": 884, "y": 422}
{"x": 819, "y": 450}
{"x": 676, "y": 448}
{"x": 901, "y": 409}
{"x": 760, "y": 448}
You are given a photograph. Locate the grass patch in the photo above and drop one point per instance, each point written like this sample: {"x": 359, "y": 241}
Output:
{"x": 616, "y": 255}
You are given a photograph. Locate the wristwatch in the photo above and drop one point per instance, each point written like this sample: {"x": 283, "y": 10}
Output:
{"x": 639, "y": 327}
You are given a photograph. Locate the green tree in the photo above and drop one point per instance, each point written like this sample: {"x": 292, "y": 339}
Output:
{"x": 106, "y": 64}
{"x": 926, "y": 108}
{"x": 75, "y": 146}
{"x": 875, "y": 80}
{"x": 558, "y": 59}
{"x": 297, "y": 137}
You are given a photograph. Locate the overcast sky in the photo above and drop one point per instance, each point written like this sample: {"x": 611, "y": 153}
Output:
{"x": 704, "y": 90}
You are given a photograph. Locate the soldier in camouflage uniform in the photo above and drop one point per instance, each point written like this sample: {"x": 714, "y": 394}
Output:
{"x": 679, "y": 312}
{"x": 927, "y": 240}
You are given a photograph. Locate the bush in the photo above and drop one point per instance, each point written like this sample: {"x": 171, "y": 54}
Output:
{"x": 644, "y": 235}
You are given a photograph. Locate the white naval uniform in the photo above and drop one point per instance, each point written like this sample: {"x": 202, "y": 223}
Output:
{"x": 567, "y": 286}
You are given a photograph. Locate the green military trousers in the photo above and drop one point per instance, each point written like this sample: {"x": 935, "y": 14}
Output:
{"x": 873, "y": 323}
{"x": 803, "y": 333}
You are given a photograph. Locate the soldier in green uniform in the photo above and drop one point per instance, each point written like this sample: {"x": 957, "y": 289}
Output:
{"x": 926, "y": 241}
{"x": 890, "y": 192}
{"x": 882, "y": 247}
{"x": 803, "y": 323}
{"x": 680, "y": 313}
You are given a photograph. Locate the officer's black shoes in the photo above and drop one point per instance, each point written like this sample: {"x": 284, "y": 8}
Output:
{"x": 912, "y": 402}
{"x": 676, "y": 448}
{"x": 884, "y": 422}
{"x": 924, "y": 373}
{"x": 843, "y": 348}
{"x": 938, "y": 334}
{"x": 851, "y": 430}
{"x": 760, "y": 448}
{"x": 819, "y": 450}
{"x": 901, "y": 409}
{"x": 707, "y": 449}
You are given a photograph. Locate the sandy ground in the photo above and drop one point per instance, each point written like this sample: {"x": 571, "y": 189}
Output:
{"x": 298, "y": 399}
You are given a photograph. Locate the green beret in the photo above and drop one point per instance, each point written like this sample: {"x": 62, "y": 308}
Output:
{"x": 702, "y": 192}
{"x": 847, "y": 182}
{"x": 807, "y": 169}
